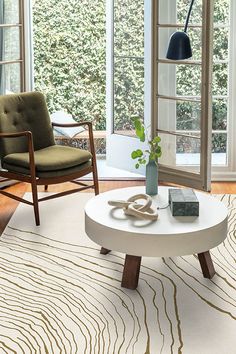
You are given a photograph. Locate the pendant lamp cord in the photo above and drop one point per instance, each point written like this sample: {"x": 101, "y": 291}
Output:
{"x": 188, "y": 16}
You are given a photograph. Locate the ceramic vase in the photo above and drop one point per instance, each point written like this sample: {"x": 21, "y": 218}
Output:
{"x": 151, "y": 178}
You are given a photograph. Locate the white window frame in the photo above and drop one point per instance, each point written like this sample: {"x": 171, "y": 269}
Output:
{"x": 21, "y": 59}
{"x": 28, "y": 45}
{"x": 177, "y": 173}
{"x": 119, "y": 147}
{"x": 26, "y": 56}
{"x": 228, "y": 172}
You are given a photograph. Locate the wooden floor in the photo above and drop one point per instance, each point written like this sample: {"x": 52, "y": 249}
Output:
{"x": 8, "y": 206}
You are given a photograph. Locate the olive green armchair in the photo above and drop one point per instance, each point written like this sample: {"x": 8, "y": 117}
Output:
{"x": 28, "y": 151}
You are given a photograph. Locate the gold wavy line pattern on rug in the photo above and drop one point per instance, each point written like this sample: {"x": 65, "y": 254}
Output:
{"x": 35, "y": 280}
{"x": 59, "y": 297}
{"x": 118, "y": 279}
{"x": 114, "y": 321}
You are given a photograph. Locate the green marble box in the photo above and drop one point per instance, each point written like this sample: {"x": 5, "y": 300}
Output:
{"x": 183, "y": 202}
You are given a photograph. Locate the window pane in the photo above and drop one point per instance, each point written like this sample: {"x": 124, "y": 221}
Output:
{"x": 9, "y": 11}
{"x": 164, "y": 36}
{"x": 188, "y": 116}
{"x": 220, "y": 82}
{"x": 186, "y": 145}
{"x": 10, "y": 78}
{"x": 219, "y": 114}
{"x": 219, "y": 148}
{"x": 128, "y": 92}
{"x": 188, "y": 79}
{"x": 129, "y": 27}
{"x": 220, "y": 79}
{"x": 184, "y": 80}
{"x": 182, "y": 11}
{"x": 220, "y": 44}
{"x": 169, "y": 13}
{"x": 10, "y": 39}
{"x": 219, "y": 142}
{"x": 178, "y": 115}
{"x": 221, "y": 11}
{"x": 179, "y": 150}
{"x": 195, "y": 35}
{"x": 188, "y": 151}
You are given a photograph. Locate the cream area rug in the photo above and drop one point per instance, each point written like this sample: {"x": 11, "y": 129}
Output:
{"x": 59, "y": 295}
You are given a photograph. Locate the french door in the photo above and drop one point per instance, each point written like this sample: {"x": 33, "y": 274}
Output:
{"x": 176, "y": 94}
{"x": 15, "y": 49}
{"x": 128, "y": 29}
{"x": 12, "y": 78}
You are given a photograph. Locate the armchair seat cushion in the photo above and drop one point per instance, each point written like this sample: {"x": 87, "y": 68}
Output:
{"x": 52, "y": 158}
{"x": 50, "y": 174}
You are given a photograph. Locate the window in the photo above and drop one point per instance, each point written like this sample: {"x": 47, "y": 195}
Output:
{"x": 182, "y": 94}
{"x": 185, "y": 113}
{"x": 173, "y": 90}
{"x": 128, "y": 64}
{"x": 220, "y": 109}
{"x": 12, "y": 78}
{"x": 70, "y": 70}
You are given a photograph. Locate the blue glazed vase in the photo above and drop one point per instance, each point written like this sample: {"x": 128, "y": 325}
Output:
{"x": 151, "y": 178}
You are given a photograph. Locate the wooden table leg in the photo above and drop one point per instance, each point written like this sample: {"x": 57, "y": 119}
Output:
{"x": 104, "y": 250}
{"x": 207, "y": 266}
{"x": 131, "y": 272}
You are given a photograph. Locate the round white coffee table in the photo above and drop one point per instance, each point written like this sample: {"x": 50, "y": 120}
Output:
{"x": 168, "y": 236}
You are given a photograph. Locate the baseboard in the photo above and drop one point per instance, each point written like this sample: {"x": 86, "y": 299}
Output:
{"x": 223, "y": 177}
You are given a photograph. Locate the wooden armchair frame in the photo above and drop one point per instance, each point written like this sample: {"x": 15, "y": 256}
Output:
{"x": 35, "y": 181}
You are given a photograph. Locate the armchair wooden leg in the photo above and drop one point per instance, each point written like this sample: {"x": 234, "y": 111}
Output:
{"x": 96, "y": 187}
{"x": 35, "y": 201}
{"x": 95, "y": 180}
{"x": 46, "y": 188}
{"x": 94, "y": 162}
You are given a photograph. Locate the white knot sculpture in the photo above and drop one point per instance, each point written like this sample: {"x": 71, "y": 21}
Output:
{"x": 131, "y": 207}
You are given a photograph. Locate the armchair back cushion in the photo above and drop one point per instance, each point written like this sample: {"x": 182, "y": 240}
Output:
{"x": 21, "y": 112}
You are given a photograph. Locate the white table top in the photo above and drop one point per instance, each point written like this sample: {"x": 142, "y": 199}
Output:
{"x": 167, "y": 236}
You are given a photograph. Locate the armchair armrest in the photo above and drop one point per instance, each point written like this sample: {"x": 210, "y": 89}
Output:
{"x": 29, "y": 136}
{"x": 71, "y": 125}
{"x": 15, "y": 135}
{"x": 90, "y": 130}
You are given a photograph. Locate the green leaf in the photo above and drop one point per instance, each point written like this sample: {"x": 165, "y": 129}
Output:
{"x": 152, "y": 156}
{"x": 139, "y": 129}
{"x": 143, "y": 162}
{"x": 136, "y": 153}
{"x": 137, "y": 124}
{"x": 142, "y": 135}
{"x": 156, "y": 140}
{"x": 137, "y": 165}
{"x": 139, "y": 152}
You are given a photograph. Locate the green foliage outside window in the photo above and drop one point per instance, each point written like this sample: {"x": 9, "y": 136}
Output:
{"x": 69, "y": 52}
{"x": 188, "y": 115}
{"x": 70, "y": 63}
{"x": 128, "y": 63}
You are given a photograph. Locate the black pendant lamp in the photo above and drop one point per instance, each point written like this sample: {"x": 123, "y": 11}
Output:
{"x": 179, "y": 45}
